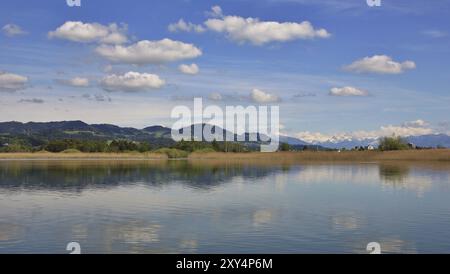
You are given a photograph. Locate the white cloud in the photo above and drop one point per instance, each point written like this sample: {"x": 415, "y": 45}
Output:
{"x": 412, "y": 128}
{"x": 258, "y": 32}
{"x": 76, "y": 82}
{"x": 348, "y": 91}
{"x": 435, "y": 33}
{"x": 216, "y": 11}
{"x": 189, "y": 69}
{"x": 181, "y": 25}
{"x": 252, "y": 30}
{"x": 90, "y": 32}
{"x": 215, "y": 96}
{"x": 149, "y": 52}
{"x": 444, "y": 127}
{"x": 404, "y": 130}
{"x": 417, "y": 123}
{"x": 132, "y": 82}
{"x": 12, "y": 30}
{"x": 381, "y": 64}
{"x": 260, "y": 96}
{"x": 12, "y": 82}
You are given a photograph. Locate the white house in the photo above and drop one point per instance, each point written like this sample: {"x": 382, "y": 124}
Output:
{"x": 370, "y": 147}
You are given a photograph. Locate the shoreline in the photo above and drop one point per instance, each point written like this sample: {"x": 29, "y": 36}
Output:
{"x": 80, "y": 156}
{"x": 441, "y": 155}
{"x": 433, "y": 155}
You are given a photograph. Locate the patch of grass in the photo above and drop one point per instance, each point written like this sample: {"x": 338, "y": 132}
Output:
{"x": 204, "y": 150}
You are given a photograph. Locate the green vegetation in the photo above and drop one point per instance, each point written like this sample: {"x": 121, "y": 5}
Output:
{"x": 285, "y": 147}
{"x": 16, "y": 146}
{"x": 173, "y": 152}
{"x": 392, "y": 143}
{"x": 182, "y": 149}
{"x": 205, "y": 150}
{"x": 56, "y": 143}
{"x": 71, "y": 150}
{"x": 176, "y": 150}
{"x": 95, "y": 146}
{"x": 194, "y": 146}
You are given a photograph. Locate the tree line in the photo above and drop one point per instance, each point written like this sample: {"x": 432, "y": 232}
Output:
{"x": 117, "y": 146}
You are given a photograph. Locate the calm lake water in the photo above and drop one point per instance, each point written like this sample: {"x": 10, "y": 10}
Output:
{"x": 219, "y": 207}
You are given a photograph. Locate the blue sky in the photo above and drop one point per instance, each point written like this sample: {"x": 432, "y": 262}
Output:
{"x": 354, "y": 71}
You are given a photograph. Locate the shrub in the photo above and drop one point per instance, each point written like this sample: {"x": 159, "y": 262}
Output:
{"x": 392, "y": 143}
{"x": 284, "y": 147}
{"x": 16, "y": 148}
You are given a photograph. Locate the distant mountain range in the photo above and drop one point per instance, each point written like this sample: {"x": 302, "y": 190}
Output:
{"x": 37, "y": 133}
{"x": 431, "y": 140}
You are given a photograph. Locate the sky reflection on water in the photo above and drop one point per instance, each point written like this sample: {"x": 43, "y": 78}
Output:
{"x": 198, "y": 207}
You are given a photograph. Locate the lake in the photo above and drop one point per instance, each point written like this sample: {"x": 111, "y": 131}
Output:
{"x": 223, "y": 207}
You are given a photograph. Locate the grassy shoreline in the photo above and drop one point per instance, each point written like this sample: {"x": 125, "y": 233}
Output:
{"x": 81, "y": 156}
{"x": 326, "y": 156}
{"x": 334, "y": 156}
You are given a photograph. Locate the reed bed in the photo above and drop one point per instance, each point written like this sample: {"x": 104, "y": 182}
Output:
{"x": 81, "y": 155}
{"x": 282, "y": 157}
{"x": 333, "y": 156}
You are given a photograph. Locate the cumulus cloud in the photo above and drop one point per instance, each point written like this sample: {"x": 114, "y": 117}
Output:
{"x": 416, "y": 124}
{"x": 78, "y": 82}
{"x": 348, "y": 91}
{"x": 181, "y": 25}
{"x": 191, "y": 69}
{"x": 412, "y": 128}
{"x": 381, "y": 64}
{"x": 12, "y": 82}
{"x": 12, "y": 30}
{"x": 149, "y": 52}
{"x": 258, "y": 32}
{"x": 252, "y": 30}
{"x": 91, "y": 32}
{"x": 403, "y": 130}
{"x": 260, "y": 96}
{"x": 132, "y": 82}
{"x": 216, "y": 11}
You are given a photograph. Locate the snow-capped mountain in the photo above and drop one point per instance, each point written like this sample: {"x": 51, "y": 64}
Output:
{"x": 431, "y": 140}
